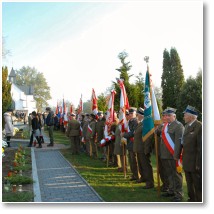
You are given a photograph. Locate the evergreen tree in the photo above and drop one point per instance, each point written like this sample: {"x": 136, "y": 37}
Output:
{"x": 139, "y": 85}
{"x": 130, "y": 88}
{"x": 6, "y": 92}
{"x": 172, "y": 78}
{"x": 191, "y": 94}
{"x": 101, "y": 103}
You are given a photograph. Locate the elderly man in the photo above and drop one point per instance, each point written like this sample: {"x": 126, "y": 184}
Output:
{"x": 192, "y": 154}
{"x": 170, "y": 151}
{"x": 73, "y": 132}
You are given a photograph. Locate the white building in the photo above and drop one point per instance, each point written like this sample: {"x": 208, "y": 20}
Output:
{"x": 22, "y": 96}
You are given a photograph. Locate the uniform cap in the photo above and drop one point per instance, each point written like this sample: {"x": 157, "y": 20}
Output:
{"x": 170, "y": 110}
{"x": 191, "y": 110}
{"x": 140, "y": 111}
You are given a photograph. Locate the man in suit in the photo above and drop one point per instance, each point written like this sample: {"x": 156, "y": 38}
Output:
{"x": 170, "y": 151}
{"x": 73, "y": 132}
{"x": 50, "y": 124}
{"x": 192, "y": 154}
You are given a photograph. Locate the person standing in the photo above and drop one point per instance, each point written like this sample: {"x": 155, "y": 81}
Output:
{"x": 91, "y": 136}
{"x": 132, "y": 124}
{"x": 50, "y": 124}
{"x": 73, "y": 132}
{"x": 8, "y": 125}
{"x": 100, "y": 130}
{"x": 163, "y": 176}
{"x": 192, "y": 154}
{"x": 35, "y": 130}
{"x": 170, "y": 151}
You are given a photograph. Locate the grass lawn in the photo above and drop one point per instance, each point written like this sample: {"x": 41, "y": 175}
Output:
{"x": 107, "y": 182}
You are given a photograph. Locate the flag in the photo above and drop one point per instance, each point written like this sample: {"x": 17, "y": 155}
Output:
{"x": 110, "y": 114}
{"x": 109, "y": 120}
{"x": 58, "y": 113}
{"x": 151, "y": 112}
{"x": 80, "y": 107}
{"x": 124, "y": 105}
{"x": 94, "y": 103}
{"x": 64, "y": 113}
{"x": 71, "y": 109}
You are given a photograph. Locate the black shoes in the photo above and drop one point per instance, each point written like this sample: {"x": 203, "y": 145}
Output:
{"x": 40, "y": 146}
{"x": 50, "y": 144}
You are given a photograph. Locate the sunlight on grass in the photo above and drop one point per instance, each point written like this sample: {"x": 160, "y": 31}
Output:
{"x": 107, "y": 182}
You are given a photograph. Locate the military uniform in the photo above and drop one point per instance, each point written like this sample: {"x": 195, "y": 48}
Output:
{"x": 91, "y": 136}
{"x": 192, "y": 158}
{"x": 132, "y": 124}
{"x": 73, "y": 132}
{"x": 162, "y": 171}
{"x": 175, "y": 131}
{"x": 118, "y": 150}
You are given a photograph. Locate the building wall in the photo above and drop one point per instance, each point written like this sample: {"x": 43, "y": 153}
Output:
{"x": 22, "y": 101}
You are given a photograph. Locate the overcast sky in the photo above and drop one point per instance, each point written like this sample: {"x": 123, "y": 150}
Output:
{"x": 76, "y": 45}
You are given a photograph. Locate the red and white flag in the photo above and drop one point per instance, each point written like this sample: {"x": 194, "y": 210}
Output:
{"x": 94, "y": 103}
{"x": 124, "y": 105}
{"x": 80, "y": 108}
{"x": 109, "y": 120}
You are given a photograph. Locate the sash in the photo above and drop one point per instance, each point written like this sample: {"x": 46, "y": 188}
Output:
{"x": 89, "y": 128}
{"x": 170, "y": 146}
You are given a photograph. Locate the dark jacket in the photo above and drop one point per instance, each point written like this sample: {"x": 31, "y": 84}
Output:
{"x": 130, "y": 134}
{"x": 50, "y": 119}
{"x": 192, "y": 149}
{"x": 175, "y": 131}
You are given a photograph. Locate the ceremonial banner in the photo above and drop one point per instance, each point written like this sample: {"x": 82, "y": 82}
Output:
{"x": 94, "y": 103}
{"x": 109, "y": 120}
{"x": 80, "y": 107}
{"x": 64, "y": 113}
{"x": 58, "y": 112}
{"x": 148, "y": 122}
{"x": 124, "y": 105}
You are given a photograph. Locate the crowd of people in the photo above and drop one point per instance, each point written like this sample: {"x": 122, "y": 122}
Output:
{"x": 176, "y": 144}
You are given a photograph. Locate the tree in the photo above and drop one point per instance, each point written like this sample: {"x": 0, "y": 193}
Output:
{"x": 87, "y": 107}
{"x": 130, "y": 88}
{"x": 6, "y": 92}
{"x": 139, "y": 85}
{"x": 172, "y": 78}
{"x": 29, "y": 76}
{"x": 191, "y": 94}
{"x": 102, "y": 103}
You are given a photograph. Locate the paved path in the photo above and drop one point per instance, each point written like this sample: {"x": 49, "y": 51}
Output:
{"x": 55, "y": 178}
{"x": 59, "y": 181}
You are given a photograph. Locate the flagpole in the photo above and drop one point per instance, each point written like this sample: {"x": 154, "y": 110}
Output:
{"x": 146, "y": 58}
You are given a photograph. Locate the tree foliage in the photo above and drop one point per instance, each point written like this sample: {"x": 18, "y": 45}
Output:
{"x": 191, "y": 94}
{"x": 102, "y": 102}
{"x": 130, "y": 88}
{"x": 172, "y": 78}
{"x": 6, "y": 92}
{"x": 29, "y": 76}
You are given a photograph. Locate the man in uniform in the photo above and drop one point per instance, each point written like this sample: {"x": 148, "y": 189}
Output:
{"x": 163, "y": 177}
{"x": 100, "y": 130}
{"x": 73, "y": 132}
{"x": 50, "y": 124}
{"x": 170, "y": 151}
{"x": 192, "y": 154}
{"x": 132, "y": 124}
{"x": 91, "y": 135}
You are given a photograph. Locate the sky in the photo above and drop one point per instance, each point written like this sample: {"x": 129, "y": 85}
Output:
{"x": 76, "y": 45}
